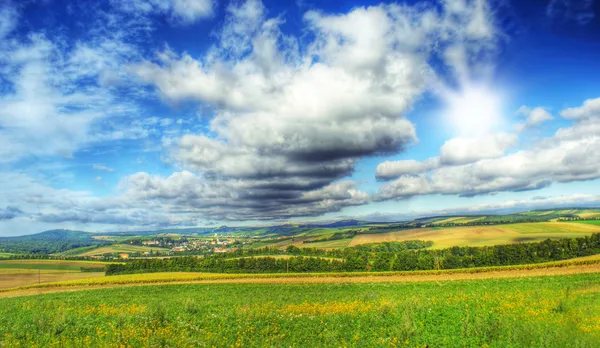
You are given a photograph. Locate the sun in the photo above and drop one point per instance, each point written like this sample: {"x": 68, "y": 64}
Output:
{"x": 473, "y": 111}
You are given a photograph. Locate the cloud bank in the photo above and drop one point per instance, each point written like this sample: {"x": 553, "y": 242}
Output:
{"x": 571, "y": 154}
{"x": 292, "y": 117}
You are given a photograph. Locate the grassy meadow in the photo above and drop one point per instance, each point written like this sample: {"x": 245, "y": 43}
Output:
{"x": 589, "y": 222}
{"x": 556, "y": 311}
{"x": 328, "y": 244}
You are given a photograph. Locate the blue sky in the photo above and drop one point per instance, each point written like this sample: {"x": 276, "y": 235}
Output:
{"x": 137, "y": 114}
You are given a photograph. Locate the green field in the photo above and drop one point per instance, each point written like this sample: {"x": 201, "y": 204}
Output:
{"x": 328, "y": 244}
{"x": 559, "y": 311}
{"x": 77, "y": 251}
{"x": 550, "y": 228}
{"x": 589, "y": 222}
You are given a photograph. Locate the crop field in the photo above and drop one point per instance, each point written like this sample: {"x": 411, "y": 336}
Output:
{"x": 591, "y": 257}
{"x": 62, "y": 265}
{"x": 468, "y": 219}
{"x": 552, "y": 227}
{"x": 17, "y": 273}
{"x": 584, "y": 213}
{"x": 11, "y": 277}
{"x": 299, "y": 242}
{"x": 483, "y": 235}
{"x": 112, "y": 238}
{"x": 448, "y": 220}
{"x": 120, "y": 248}
{"x": 557, "y": 311}
{"x": 591, "y": 213}
{"x": 282, "y": 243}
{"x": 574, "y": 266}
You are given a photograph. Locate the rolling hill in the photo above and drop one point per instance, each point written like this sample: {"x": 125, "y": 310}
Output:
{"x": 48, "y": 242}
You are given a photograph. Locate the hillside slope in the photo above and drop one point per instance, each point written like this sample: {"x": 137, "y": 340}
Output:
{"x": 48, "y": 242}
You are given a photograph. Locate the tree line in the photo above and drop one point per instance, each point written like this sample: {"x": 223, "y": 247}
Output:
{"x": 374, "y": 258}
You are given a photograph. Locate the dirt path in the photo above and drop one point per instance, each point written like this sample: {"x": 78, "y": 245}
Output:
{"x": 579, "y": 269}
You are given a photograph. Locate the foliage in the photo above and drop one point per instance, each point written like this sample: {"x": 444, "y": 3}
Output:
{"x": 394, "y": 246}
{"x": 91, "y": 269}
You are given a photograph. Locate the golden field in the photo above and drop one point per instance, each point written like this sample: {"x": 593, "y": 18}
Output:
{"x": 483, "y": 235}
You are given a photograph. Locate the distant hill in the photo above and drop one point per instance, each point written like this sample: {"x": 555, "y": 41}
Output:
{"x": 341, "y": 223}
{"x": 48, "y": 242}
{"x": 194, "y": 230}
{"x": 56, "y": 241}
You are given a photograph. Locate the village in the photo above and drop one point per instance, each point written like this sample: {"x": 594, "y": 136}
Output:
{"x": 183, "y": 245}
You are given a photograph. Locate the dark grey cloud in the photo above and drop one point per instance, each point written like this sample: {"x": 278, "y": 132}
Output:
{"x": 189, "y": 194}
{"x": 10, "y": 213}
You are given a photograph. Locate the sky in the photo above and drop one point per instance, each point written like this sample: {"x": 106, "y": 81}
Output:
{"x": 148, "y": 114}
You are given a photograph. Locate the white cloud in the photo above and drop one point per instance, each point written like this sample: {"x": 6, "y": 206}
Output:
{"x": 192, "y": 10}
{"x": 393, "y": 169}
{"x": 37, "y": 110}
{"x": 508, "y": 206}
{"x": 533, "y": 117}
{"x": 290, "y": 111}
{"x": 182, "y": 11}
{"x": 32, "y": 205}
{"x": 590, "y": 110}
{"x": 572, "y": 154}
{"x": 9, "y": 18}
{"x": 55, "y": 101}
{"x": 102, "y": 167}
{"x": 575, "y": 200}
{"x": 468, "y": 150}
{"x": 289, "y": 116}
{"x": 454, "y": 152}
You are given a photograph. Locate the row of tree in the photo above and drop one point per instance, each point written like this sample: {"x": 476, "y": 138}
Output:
{"x": 371, "y": 259}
